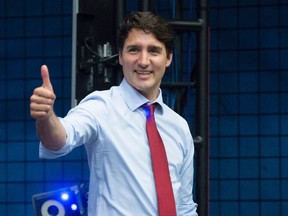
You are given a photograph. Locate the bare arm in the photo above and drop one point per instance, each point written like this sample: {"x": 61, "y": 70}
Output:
{"x": 49, "y": 129}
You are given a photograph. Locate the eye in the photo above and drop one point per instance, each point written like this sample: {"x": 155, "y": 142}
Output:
{"x": 155, "y": 50}
{"x": 133, "y": 49}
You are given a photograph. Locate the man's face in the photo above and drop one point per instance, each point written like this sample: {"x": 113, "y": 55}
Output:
{"x": 144, "y": 61}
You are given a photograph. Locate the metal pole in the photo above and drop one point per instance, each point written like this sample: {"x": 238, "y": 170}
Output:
{"x": 120, "y": 11}
{"x": 145, "y": 5}
{"x": 202, "y": 117}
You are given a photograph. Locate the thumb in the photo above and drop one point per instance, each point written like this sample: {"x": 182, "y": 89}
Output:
{"x": 46, "y": 78}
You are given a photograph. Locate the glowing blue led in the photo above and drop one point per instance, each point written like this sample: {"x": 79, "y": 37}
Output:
{"x": 149, "y": 110}
{"x": 74, "y": 207}
{"x": 64, "y": 196}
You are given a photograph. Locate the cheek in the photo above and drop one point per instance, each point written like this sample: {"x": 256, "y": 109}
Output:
{"x": 125, "y": 61}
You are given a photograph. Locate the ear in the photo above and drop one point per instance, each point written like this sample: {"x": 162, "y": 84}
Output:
{"x": 120, "y": 58}
{"x": 169, "y": 59}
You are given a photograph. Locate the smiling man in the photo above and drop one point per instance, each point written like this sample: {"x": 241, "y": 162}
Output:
{"x": 144, "y": 60}
{"x": 111, "y": 124}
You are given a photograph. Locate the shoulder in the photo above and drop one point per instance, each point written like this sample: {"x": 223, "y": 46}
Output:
{"x": 167, "y": 111}
{"x": 97, "y": 102}
{"x": 174, "y": 121}
{"x": 102, "y": 95}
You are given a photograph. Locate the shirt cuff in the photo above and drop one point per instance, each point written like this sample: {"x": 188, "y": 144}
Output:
{"x": 50, "y": 154}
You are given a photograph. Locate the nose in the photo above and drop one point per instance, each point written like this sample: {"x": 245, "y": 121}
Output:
{"x": 144, "y": 59}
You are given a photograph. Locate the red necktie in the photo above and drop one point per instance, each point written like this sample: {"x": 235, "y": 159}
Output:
{"x": 165, "y": 196}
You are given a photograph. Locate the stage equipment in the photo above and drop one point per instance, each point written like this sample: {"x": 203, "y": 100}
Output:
{"x": 70, "y": 201}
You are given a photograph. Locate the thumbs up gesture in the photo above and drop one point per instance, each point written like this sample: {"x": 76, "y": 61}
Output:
{"x": 43, "y": 97}
{"x": 46, "y": 79}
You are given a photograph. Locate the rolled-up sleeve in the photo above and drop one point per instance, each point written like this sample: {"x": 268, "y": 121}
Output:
{"x": 80, "y": 129}
{"x": 50, "y": 154}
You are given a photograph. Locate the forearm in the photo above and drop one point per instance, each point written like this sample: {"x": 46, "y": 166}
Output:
{"x": 51, "y": 132}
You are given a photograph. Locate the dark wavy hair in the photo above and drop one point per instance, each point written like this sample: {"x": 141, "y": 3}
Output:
{"x": 150, "y": 23}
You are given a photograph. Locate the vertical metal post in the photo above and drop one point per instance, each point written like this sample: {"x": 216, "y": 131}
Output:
{"x": 202, "y": 113}
{"x": 74, "y": 52}
{"x": 145, "y": 5}
{"x": 120, "y": 11}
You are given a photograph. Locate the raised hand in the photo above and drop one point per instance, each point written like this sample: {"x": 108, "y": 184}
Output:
{"x": 43, "y": 97}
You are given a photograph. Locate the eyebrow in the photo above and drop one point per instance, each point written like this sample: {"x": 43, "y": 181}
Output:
{"x": 149, "y": 47}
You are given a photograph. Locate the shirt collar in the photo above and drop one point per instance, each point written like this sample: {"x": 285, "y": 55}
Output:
{"x": 134, "y": 99}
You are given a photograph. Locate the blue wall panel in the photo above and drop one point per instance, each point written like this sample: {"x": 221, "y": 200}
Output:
{"x": 248, "y": 112}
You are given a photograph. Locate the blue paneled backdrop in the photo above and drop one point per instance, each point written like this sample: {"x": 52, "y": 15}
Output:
{"x": 249, "y": 104}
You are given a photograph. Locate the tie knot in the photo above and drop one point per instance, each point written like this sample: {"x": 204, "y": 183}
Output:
{"x": 149, "y": 109}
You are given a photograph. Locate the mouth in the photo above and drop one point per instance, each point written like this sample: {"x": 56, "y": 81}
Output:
{"x": 142, "y": 72}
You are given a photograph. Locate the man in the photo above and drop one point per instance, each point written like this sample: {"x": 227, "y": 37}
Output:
{"x": 111, "y": 126}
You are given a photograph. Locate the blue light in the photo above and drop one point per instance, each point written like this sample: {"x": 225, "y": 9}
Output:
{"x": 74, "y": 207}
{"x": 64, "y": 196}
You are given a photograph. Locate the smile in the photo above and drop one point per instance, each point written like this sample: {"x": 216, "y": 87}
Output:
{"x": 143, "y": 72}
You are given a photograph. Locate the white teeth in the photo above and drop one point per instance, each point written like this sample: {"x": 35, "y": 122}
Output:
{"x": 143, "y": 72}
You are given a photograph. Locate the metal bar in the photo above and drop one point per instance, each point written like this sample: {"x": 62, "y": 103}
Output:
{"x": 145, "y": 5}
{"x": 177, "y": 84}
{"x": 120, "y": 11}
{"x": 187, "y": 25}
{"x": 202, "y": 117}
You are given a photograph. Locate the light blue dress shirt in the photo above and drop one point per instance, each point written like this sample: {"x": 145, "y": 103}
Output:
{"x": 111, "y": 126}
